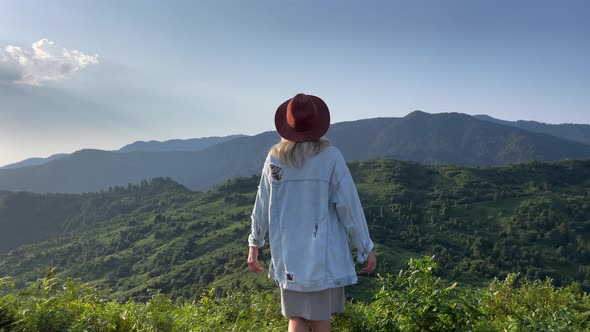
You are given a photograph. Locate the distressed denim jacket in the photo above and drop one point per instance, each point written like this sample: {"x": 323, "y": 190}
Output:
{"x": 310, "y": 213}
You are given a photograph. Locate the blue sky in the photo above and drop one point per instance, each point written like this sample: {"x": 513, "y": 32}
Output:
{"x": 182, "y": 69}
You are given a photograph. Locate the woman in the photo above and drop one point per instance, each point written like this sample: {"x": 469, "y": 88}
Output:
{"x": 308, "y": 203}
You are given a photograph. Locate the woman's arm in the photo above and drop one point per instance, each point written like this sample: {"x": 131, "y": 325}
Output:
{"x": 253, "y": 260}
{"x": 260, "y": 223}
{"x": 350, "y": 211}
{"x": 260, "y": 214}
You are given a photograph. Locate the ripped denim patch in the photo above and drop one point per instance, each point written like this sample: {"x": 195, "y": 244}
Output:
{"x": 276, "y": 172}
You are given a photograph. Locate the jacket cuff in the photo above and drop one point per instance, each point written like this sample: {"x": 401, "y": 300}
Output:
{"x": 253, "y": 242}
{"x": 363, "y": 253}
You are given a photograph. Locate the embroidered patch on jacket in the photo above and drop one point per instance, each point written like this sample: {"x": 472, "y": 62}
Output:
{"x": 289, "y": 276}
{"x": 277, "y": 172}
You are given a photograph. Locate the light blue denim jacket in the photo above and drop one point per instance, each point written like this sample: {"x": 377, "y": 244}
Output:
{"x": 310, "y": 213}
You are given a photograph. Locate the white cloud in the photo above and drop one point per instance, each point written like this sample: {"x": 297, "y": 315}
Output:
{"x": 45, "y": 62}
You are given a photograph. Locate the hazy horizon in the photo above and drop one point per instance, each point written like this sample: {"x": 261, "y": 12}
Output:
{"x": 173, "y": 138}
{"x": 102, "y": 75}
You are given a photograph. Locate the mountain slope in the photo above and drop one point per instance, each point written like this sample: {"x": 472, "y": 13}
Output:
{"x": 571, "y": 131}
{"x": 461, "y": 139}
{"x": 532, "y": 218}
{"x": 429, "y": 138}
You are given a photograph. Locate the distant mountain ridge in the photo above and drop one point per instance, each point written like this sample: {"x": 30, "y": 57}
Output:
{"x": 34, "y": 161}
{"x": 572, "y": 131}
{"x": 428, "y": 138}
{"x": 191, "y": 144}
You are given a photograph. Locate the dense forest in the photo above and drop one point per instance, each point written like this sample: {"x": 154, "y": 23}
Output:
{"x": 480, "y": 223}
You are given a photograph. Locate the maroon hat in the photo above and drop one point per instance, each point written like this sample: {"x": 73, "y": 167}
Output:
{"x": 302, "y": 118}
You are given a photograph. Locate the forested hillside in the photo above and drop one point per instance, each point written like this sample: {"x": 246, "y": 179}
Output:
{"x": 532, "y": 218}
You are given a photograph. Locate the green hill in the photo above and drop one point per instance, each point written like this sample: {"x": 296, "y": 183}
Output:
{"x": 532, "y": 218}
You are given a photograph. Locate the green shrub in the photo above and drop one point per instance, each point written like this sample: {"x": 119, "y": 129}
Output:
{"x": 7, "y": 318}
{"x": 534, "y": 306}
{"x": 413, "y": 300}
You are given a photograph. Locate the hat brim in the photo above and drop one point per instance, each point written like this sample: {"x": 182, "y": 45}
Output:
{"x": 319, "y": 126}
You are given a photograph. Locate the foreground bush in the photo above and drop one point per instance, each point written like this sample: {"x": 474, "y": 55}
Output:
{"x": 50, "y": 305}
{"x": 413, "y": 300}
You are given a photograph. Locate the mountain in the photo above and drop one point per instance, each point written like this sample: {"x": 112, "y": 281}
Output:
{"x": 192, "y": 144}
{"x": 461, "y": 139}
{"x": 571, "y": 131}
{"x": 532, "y": 218}
{"x": 34, "y": 161}
{"x": 429, "y": 138}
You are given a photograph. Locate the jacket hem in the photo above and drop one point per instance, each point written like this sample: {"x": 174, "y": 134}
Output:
{"x": 319, "y": 286}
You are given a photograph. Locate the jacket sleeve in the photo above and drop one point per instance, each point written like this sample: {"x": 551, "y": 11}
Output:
{"x": 350, "y": 212}
{"x": 260, "y": 213}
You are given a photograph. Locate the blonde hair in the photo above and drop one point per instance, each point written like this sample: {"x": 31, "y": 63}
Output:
{"x": 294, "y": 153}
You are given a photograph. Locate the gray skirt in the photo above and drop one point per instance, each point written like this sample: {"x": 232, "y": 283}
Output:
{"x": 312, "y": 305}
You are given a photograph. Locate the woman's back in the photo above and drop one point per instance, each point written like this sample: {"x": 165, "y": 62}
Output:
{"x": 308, "y": 203}
{"x": 309, "y": 212}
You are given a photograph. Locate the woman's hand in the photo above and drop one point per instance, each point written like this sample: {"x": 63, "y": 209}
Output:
{"x": 253, "y": 260}
{"x": 370, "y": 264}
